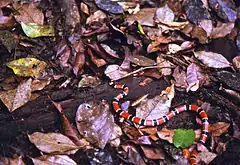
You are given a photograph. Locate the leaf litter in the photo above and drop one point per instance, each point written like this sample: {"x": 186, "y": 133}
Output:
{"x": 80, "y": 46}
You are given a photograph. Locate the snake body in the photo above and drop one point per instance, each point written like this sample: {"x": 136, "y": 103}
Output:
{"x": 163, "y": 119}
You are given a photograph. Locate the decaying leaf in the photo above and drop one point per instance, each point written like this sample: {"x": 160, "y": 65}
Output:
{"x": 38, "y": 85}
{"x": 53, "y": 160}
{"x": 236, "y": 62}
{"x": 157, "y": 106}
{"x": 33, "y": 30}
{"x": 166, "y": 134}
{"x": 183, "y": 138}
{"x": 153, "y": 153}
{"x": 16, "y": 98}
{"x": 78, "y": 52}
{"x": 218, "y": 128}
{"x": 165, "y": 66}
{"x": 206, "y": 157}
{"x": 222, "y": 30}
{"x": 164, "y": 15}
{"x": 142, "y": 60}
{"x": 144, "y": 17}
{"x": 28, "y": 13}
{"x": 11, "y": 161}
{"x": 212, "y": 59}
{"x": 180, "y": 78}
{"x": 195, "y": 77}
{"x": 95, "y": 122}
{"x": 27, "y": 67}
{"x": 89, "y": 81}
{"x": 97, "y": 16}
{"x": 114, "y": 72}
{"x": 109, "y": 6}
{"x": 7, "y": 21}
{"x": 53, "y": 143}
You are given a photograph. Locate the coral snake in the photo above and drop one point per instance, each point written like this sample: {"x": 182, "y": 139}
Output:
{"x": 163, "y": 119}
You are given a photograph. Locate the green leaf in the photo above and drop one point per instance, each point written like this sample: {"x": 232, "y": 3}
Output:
{"x": 32, "y": 30}
{"x": 141, "y": 29}
{"x": 183, "y": 138}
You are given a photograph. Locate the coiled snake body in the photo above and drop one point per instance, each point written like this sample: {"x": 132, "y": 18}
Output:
{"x": 163, "y": 119}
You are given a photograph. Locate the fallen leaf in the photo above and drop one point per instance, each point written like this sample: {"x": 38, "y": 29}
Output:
{"x": 7, "y": 21}
{"x": 53, "y": 160}
{"x": 95, "y": 122}
{"x": 68, "y": 130}
{"x": 218, "y": 128}
{"x": 133, "y": 155}
{"x": 97, "y": 16}
{"x": 211, "y": 59}
{"x": 89, "y": 81}
{"x": 236, "y": 62}
{"x": 27, "y": 67}
{"x": 114, "y": 72}
{"x": 142, "y": 60}
{"x": 38, "y": 85}
{"x": 53, "y": 143}
{"x": 98, "y": 62}
{"x": 183, "y": 138}
{"x": 84, "y": 8}
{"x": 165, "y": 66}
{"x": 222, "y": 29}
{"x": 109, "y": 50}
{"x": 11, "y": 161}
{"x": 33, "y": 30}
{"x": 153, "y": 153}
{"x": 8, "y": 40}
{"x": 180, "y": 78}
{"x": 78, "y": 52}
{"x": 28, "y": 13}
{"x": 206, "y": 157}
{"x": 16, "y": 98}
{"x": 157, "y": 106}
{"x": 166, "y": 134}
{"x": 195, "y": 77}
{"x": 109, "y": 6}
{"x": 164, "y": 15}
{"x": 207, "y": 26}
{"x": 143, "y": 17}
{"x": 63, "y": 54}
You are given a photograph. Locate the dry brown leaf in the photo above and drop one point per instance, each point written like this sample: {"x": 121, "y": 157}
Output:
{"x": 180, "y": 78}
{"x": 236, "y": 63}
{"x": 153, "y": 153}
{"x": 142, "y": 60}
{"x": 79, "y": 61}
{"x": 207, "y": 26}
{"x": 95, "y": 122}
{"x": 98, "y": 16}
{"x": 28, "y": 13}
{"x": 53, "y": 160}
{"x": 195, "y": 77}
{"x": 89, "y": 81}
{"x": 16, "y": 98}
{"x": 212, "y": 59}
{"x": 38, "y": 85}
{"x": 7, "y": 21}
{"x": 144, "y": 17}
{"x": 222, "y": 29}
{"x": 157, "y": 106}
{"x": 53, "y": 143}
{"x": 218, "y": 128}
{"x": 206, "y": 157}
{"x": 11, "y": 161}
{"x": 84, "y": 8}
{"x": 164, "y": 15}
{"x": 166, "y": 134}
{"x": 165, "y": 66}
{"x": 114, "y": 72}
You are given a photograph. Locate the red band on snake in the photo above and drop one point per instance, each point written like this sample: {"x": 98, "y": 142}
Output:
{"x": 163, "y": 119}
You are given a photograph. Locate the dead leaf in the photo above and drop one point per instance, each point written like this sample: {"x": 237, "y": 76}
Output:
{"x": 68, "y": 130}
{"x": 157, "y": 106}
{"x": 180, "y": 78}
{"x": 53, "y": 143}
{"x": 153, "y": 153}
{"x": 53, "y": 160}
{"x": 27, "y": 67}
{"x": 97, "y": 16}
{"x": 84, "y": 8}
{"x": 144, "y": 17}
{"x": 166, "y": 134}
{"x": 146, "y": 81}
{"x": 98, "y": 62}
{"x": 63, "y": 54}
{"x": 236, "y": 62}
{"x": 7, "y": 21}
{"x": 142, "y": 60}
{"x": 222, "y": 29}
{"x": 95, "y": 122}
{"x": 28, "y": 13}
{"x": 212, "y": 59}
{"x": 195, "y": 77}
{"x": 114, "y": 72}
{"x": 110, "y": 51}
{"x": 89, "y": 81}
{"x": 38, "y": 85}
{"x": 164, "y": 15}
{"x": 207, "y": 26}
{"x": 165, "y": 66}
{"x": 206, "y": 157}
{"x": 16, "y": 98}
{"x": 79, "y": 61}
{"x": 218, "y": 128}
{"x": 11, "y": 161}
